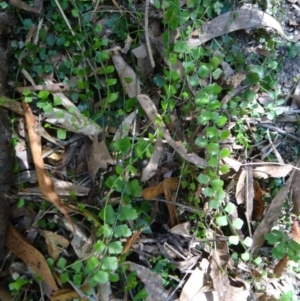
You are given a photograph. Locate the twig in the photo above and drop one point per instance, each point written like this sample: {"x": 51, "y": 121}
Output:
{"x": 148, "y": 44}
{"x": 274, "y": 128}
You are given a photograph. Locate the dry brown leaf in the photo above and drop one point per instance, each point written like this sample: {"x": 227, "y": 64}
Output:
{"x": 281, "y": 265}
{"x": 31, "y": 256}
{"x": 152, "y": 192}
{"x": 69, "y": 294}
{"x": 151, "y": 111}
{"x": 131, "y": 241}
{"x": 24, "y": 6}
{"x": 232, "y": 21}
{"x": 296, "y": 232}
{"x": 166, "y": 186}
{"x": 271, "y": 216}
{"x": 55, "y": 243}
{"x": 98, "y": 157}
{"x": 5, "y": 294}
{"x": 128, "y": 77}
{"x": 271, "y": 171}
{"x": 258, "y": 205}
{"x": 169, "y": 185}
{"x": 44, "y": 180}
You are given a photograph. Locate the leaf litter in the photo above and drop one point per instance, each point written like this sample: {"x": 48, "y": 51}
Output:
{"x": 208, "y": 275}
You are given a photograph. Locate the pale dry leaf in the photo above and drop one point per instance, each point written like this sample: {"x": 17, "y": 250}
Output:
{"x": 240, "y": 188}
{"x": 65, "y": 188}
{"x": 82, "y": 242}
{"x": 232, "y": 21}
{"x": 31, "y": 256}
{"x": 234, "y": 164}
{"x": 124, "y": 127}
{"x": 271, "y": 216}
{"x": 98, "y": 157}
{"x": 182, "y": 229}
{"x": 66, "y": 102}
{"x": 72, "y": 123}
{"x": 152, "y": 282}
{"x": 128, "y": 77}
{"x": 55, "y": 243}
{"x": 11, "y": 104}
{"x": 150, "y": 109}
{"x": 150, "y": 170}
{"x": 192, "y": 288}
{"x": 271, "y": 171}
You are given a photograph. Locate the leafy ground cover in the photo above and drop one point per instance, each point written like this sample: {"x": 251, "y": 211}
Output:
{"x": 156, "y": 151}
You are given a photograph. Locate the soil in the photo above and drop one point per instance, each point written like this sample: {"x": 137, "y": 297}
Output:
{"x": 6, "y": 153}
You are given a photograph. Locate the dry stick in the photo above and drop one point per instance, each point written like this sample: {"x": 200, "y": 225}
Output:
{"x": 274, "y": 128}
{"x": 148, "y": 44}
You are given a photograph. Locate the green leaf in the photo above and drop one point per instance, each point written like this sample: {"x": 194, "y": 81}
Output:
{"x": 108, "y": 214}
{"x": 141, "y": 295}
{"x": 224, "y": 153}
{"x": 75, "y": 13}
{"x": 99, "y": 246}
{"x": 61, "y": 263}
{"x": 133, "y": 188}
{"x": 215, "y": 61}
{"x": 274, "y": 237}
{"x": 115, "y": 247}
{"x": 238, "y": 223}
{"x": 221, "y": 121}
{"x": 248, "y": 241}
{"x": 217, "y": 184}
{"x": 230, "y": 207}
{"x": 93, "y": 262}
{"x": 57, "y": 101}
{"x": 245, "y": 256}
{"x": 181, "y": 47}
{"x": 61, "y": 134}
{"x": 204, "y": 71}
{"x": 113, "y": 277}
{"x": 122, "y": 231}
{"x": 43, "y": 94}
{"x": 224, "y": 134}
{"x": 258, "y": 261}
{"x": 213, "y": 148}
{"x": 222, "y": 221}
{"x": 105, "y": 230}
{"x": 77, "y": 266}
{"x": 279, "y": 250}
{"x": 214, "y": 204}
{"x": 100, "y": 276}
{"x": 224, "y": 169}
{"x": 201, "y": 142}
{"x": 123, "y": 145}
{"x": 203, "y": 179}
{"x": 64, "y": 277}
{"x": 112, "y": 97}
{"x": 127, "y": 213}
{"x": 110, "y": 263}
{"x": 234, "y": 240}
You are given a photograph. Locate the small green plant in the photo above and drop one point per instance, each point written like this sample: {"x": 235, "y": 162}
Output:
{"x": 283, "y": 244}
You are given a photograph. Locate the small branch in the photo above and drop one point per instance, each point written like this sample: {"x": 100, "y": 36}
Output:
{"x": 148, "y": 44}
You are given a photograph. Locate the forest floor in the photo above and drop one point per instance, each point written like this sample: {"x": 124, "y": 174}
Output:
{"x": 156, "y": 151}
